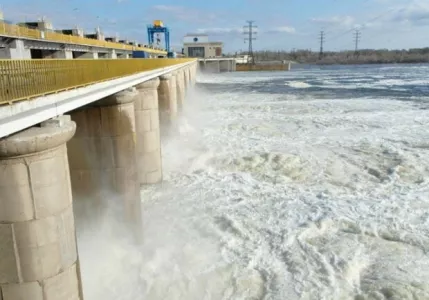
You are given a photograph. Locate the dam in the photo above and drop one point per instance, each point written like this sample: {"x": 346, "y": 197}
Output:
{"x": 75, "y": 129}
{"x": 147, "y": 178}
{"x": 49, "y": 130}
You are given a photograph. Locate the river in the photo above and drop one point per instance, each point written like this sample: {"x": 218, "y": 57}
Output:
{"x": 309, "y": 184}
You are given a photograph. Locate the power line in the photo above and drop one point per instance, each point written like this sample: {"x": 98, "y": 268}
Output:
{"x": 357, "y": 35}
{"x": 250, "y": 36}
{"x": 322, "y": 41}
{"x": 364, "y": 25}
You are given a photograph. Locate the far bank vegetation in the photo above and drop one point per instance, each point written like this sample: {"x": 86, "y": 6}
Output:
{"x": 364, "y": 56}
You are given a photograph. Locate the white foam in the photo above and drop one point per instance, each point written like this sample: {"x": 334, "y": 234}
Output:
{"x": 298, "y": 84}
{"x": 292, "y": 230}
{"x": 272, "y": 196}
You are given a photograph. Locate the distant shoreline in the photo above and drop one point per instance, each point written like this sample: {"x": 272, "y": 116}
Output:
{"x": 367, "y": 57}
{"x": 369, "y": 63}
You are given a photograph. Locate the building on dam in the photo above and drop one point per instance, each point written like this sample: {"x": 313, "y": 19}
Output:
{"x": 198, "y": 45}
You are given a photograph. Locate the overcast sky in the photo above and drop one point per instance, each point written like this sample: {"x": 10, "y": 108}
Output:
{"x": 282, "y": 24}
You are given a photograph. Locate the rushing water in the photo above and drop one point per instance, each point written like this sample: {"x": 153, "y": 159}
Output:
{"x": 310, "y": 184}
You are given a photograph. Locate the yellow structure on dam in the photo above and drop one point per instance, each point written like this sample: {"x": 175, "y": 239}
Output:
{"x": 25, "y": 79}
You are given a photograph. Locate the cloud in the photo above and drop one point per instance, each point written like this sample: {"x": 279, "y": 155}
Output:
{"x": 335, "y": 20}
{"x": 415, "y": 13}
{"x": 281, "y": 29}
{"x": 169, "y": 8}
{"x": 186, "y": 14}
{"x": 219, "y": 31}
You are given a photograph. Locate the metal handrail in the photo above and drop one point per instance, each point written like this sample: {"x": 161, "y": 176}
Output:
{"x": 26, "y": 79}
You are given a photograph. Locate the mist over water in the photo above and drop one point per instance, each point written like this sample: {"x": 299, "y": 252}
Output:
{"x": 310, "y": 184}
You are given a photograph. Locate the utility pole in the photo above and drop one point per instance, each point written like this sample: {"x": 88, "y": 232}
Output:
{"x": 250, "y": 36}
{"x": 357, "y": 35}
{"x": 322, "y": 41}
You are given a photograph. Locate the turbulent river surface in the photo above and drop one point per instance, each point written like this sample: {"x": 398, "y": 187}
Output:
{"x": 309, "y": 184}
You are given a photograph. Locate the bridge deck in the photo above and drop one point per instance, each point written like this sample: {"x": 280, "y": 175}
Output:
{"x": 55, "y": 87}
{"x": 26, "y": 79}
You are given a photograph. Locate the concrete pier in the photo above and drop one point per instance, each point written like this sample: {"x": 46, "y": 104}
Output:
{"x": 180, "y": 88}
{"x": 188, "y": 77}
{"x": 225, "y": 65}
{"x": 103, "y": 161}
{"x": 38, "y": 250}
{"x": 15, "y": 50}
{"x": 148, "y": 132}
{"x": 185, "y": 79}
{"x": 103, "y": 148}
{"x": 193, "y": 73}
{"x": 217, "y": 65}
{"x": 167, "y": 97}
{"x": 212, "y": 66}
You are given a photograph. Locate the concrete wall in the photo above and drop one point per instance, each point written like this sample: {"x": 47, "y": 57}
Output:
{"x": 263, "y": 67}
{"x": 217, "y": 65}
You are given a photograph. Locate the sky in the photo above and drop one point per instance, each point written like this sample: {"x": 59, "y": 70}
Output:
{"x": 281, "y": 24}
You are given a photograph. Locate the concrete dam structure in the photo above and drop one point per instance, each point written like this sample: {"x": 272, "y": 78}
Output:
{"x": 40, "y": 41}
{"x": 52, "y": 112}
{"x": 217, "y": 65}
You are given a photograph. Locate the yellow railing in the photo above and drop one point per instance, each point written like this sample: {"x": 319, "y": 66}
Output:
{"x": 26, "y": 79}
{"x": 52, "y": 36}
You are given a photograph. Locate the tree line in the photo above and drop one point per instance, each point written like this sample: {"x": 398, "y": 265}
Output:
{"x": 364, "y": 56}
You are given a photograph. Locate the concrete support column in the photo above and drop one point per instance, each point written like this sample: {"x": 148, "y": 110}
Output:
{"x": 112, "y": 54}
{"x": 180, "y": 88}
{"x": 148, "y": 133}
{"x": 185, "y": 78}
{"x": 194, "y": 72}
{"x": 89, "y": 55}
{"x": 63, "y": 54}
{"x": 213, "y": 66}
{"x": 103, "y": 161}
{"x": 224, "y": 66}
{"x": 15, "y": 50}
{"x": 38, "y": 253}
{"x": 167, "y": 97}
{"x": 188, "y": 77}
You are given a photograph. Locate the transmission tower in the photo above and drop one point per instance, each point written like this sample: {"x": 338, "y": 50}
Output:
{"x": 357, "y": 35}
{"x": 249, "y": 33}
{"x": 322, "y": 41}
